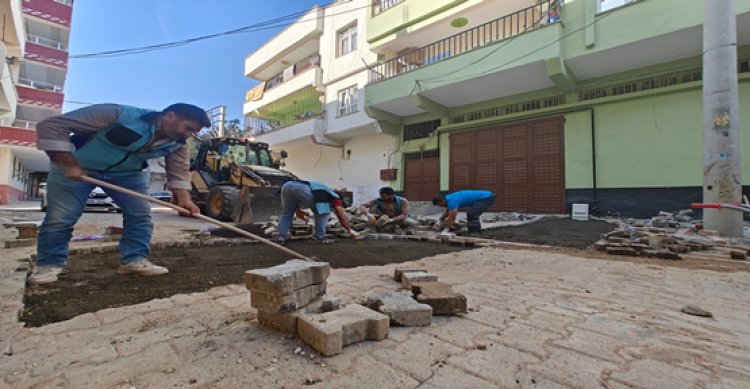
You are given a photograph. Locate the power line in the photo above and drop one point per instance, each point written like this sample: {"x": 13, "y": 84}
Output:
{"x": 281, "y": 21}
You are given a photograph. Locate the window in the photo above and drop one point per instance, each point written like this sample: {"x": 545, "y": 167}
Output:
{"x": 606, "y": 5}
{"x": 348, "y": 101}
{"x": 420, "y": 130}
{"x": 69, "y": 3}
{"x": 346, "y": 40}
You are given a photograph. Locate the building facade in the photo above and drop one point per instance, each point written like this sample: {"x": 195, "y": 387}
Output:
{"x": 35, "y": 45}
{"x": 310, "y": 101}
{"x": 546, "y": 102}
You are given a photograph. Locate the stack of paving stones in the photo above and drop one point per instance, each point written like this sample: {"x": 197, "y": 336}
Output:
{"x": 429, "y": 291}
{"x": 27, "y": 234}
{"x": 291, "y": 298}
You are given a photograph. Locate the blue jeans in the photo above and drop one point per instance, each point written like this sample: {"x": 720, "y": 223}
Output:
{"x": 475, "y": 211}
{"x": 66, "y": 200}
{"x": 295, "y": 194}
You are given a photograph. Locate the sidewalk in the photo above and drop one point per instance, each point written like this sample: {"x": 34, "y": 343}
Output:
{"x": 536, "y": 319}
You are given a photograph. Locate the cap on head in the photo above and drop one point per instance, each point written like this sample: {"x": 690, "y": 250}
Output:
{"x": 189, "y": 112}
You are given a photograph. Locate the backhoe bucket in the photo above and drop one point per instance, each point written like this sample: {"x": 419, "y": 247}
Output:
{"x": 256, "y": 205}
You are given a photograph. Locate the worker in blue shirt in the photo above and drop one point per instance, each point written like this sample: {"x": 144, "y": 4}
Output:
{"x": 478, "y": 201}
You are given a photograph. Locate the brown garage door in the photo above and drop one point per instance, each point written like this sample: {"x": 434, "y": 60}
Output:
{"x": 422, "y": 175}
{"x": 522, "y": 163}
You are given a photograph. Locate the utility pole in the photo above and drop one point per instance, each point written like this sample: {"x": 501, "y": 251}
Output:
{"x": 722, "y": 181}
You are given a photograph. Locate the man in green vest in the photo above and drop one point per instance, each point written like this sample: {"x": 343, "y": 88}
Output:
{"x": 112, "y": 143}
{"x": 388, "y": 211}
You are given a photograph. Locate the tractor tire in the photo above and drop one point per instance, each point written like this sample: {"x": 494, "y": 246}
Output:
{"x": 220, "y": 202}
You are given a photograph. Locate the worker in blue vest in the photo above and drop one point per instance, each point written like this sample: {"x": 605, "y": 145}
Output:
{"x": 478, "y": 202}
{"x": 112, "y": 143}
{"x": 313, "y": 195}
{"x": 388, "y": 210}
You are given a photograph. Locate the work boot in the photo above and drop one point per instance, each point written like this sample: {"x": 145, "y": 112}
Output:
{"x": 44, "y": 275}
{"x": 142, "y": 267}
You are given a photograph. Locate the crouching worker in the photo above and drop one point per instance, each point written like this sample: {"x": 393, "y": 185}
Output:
{"x": 316, "y": 196}
{"x": 112, "y": 143}
{"x": 388, "y": 211}
{"x": 478, "y": 202}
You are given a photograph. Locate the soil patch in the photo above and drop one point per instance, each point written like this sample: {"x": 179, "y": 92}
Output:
{"x": 552, "y": 231}
{"x": 91, "y": 282}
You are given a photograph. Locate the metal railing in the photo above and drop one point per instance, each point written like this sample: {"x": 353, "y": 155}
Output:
{"x": 40, "y": 85}
{"x": 25, "y": 124}
{"x": 380, "y": 6}
{"x": 257, "y": 125}
{"x": 45, "y": 42}
{"x": 508, "y": 26}
{"x": 299, "y": 67}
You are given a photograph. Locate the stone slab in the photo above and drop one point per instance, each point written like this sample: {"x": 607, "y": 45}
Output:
{"x": 329, "y": 332}
{"x": 25, "y": 242}
{"x": 402, "y": 309}
{"x": 288, "y": 303}
{"x": 286, "y": 278}
{"x": 440, "y": 296}
{"x": 287, "y": 322}
{"x": 400, "y": 271}
{"x": 407, "y": 279}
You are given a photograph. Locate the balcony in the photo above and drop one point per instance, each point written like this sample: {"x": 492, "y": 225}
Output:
{"x": 380, "y": 6}
{"x": 41, "y": 41}
{"x": 39, "y": 97}
{"x": 265, "y": 130}
{"x": 17, "y": 136}
{"x": 280, "y": 87}
{"x": 497, "y": 30}
{"x": 40, "y": 85}
{"x": 50, "y": 10}
{"x": 298, "y": 41}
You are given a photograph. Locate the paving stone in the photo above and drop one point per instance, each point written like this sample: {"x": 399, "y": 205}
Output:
{"x": 407, "y": 279}
{"x": 654, "y": 374}
{"x": 400, "y": 271}
{"x": 288, "y": 277}
{"x": 288, "y": 303}
{"x": 287, "y": 322}
{"x": 418, "y": 356}
{"x": 621, "y": 251}
{"x": 440, "y": 296}
{"x": 370, "y": 373}
{"x": 26, "y": 242}
{"x": 329, "y": 332}
{"x": 447, "y": 376}
{"x": 497, "y": 363}
{"x": 402, "y": 309}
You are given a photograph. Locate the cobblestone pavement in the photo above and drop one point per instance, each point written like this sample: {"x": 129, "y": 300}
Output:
{"x": 536, "y": 319}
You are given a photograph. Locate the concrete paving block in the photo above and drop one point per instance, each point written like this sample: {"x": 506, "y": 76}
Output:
{"x": 286, "y": 278}
{"x": 26, "y": 242}
{"x": 402, "y": 309}
{"x": 288, "y": 303}
{"x": 287, "y": 322}
{"x": 407, "y": 279}
{"x": 329, "y": 332}
{"x": 440, "y": 296}
{"x": 400, "y": 271}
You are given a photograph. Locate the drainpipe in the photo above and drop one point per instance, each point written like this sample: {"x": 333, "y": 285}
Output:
{"x": 593, "y": 153}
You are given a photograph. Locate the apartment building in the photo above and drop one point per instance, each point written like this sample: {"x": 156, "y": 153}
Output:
{"x": 35, "y": 48}
{"x": 310, "y": 100}
{"x": 546, "y": 102}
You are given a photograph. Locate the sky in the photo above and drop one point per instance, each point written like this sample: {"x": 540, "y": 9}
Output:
{"x": 206, "y": 73}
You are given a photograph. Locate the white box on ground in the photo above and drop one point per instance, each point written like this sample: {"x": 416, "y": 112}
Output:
{"x": 580, "y": 212}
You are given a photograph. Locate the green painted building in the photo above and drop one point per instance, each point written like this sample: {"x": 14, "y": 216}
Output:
{"x": 548, "y": 103}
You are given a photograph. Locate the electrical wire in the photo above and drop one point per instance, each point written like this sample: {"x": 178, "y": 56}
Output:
{"x": 281, "y": 21}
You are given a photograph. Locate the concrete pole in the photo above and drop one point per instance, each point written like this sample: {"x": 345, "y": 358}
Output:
{"x": 222, "y": 120}
{"x": 722, "y": 181}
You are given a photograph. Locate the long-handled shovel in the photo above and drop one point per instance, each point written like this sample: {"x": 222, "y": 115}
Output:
{"x": 197, "y": 216}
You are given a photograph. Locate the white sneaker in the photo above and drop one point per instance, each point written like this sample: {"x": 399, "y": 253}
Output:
{"x": 142, "y": 267}
{"x": 44, "y": 275}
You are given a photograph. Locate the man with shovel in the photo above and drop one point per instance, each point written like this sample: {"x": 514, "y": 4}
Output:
{"x": 112, "y": 143}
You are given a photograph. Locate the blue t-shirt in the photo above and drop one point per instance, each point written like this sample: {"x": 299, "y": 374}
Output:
{"x": 464, "y": 198}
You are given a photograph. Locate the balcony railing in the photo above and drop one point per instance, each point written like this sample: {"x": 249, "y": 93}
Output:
{"x": 508, "y": 26}
{"x": 263, "y": 125}
{"x": 40, "y": 85}
{"x": 25, "y": 124}
{"x": 380, "y": 6}
{"x": 299, "y": 67}
{"x": 45, "y": 42}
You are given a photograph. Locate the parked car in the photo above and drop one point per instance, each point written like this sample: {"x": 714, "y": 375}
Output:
{"x": 99, "y": 199}
{"x": 163, "y": 196}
